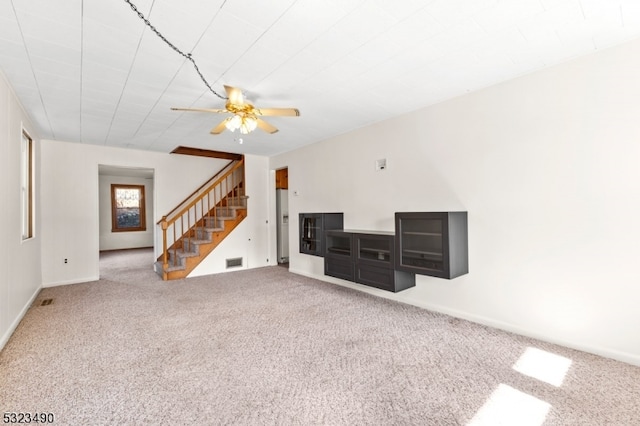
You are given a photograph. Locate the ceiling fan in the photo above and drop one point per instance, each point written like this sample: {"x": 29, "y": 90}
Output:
{"x": 246, "y": 117}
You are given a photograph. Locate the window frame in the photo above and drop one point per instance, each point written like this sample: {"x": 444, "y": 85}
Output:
{"x": 27, "y": 190}
{"x": 115, "y": 227}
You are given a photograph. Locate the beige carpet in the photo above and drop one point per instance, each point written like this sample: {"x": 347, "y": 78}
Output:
{"x": 264, "y": 346}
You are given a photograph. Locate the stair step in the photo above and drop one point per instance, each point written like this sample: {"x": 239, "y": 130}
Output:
{"x": 170, "y": 268}
{"x": 198, "y": 241}
{"x": 215, "y": 221}
{"x": 228, "y": 211}
{"x": 182, "y": 254}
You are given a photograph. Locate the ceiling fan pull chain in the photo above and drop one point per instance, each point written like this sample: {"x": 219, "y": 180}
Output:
{"x": 185, "y": 55}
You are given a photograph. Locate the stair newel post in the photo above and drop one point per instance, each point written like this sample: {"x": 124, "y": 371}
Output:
{"x": 165, "y": 259}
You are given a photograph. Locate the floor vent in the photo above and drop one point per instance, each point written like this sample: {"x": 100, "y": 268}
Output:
{"x": 46, "y": 302}
{"x": 232, "y": 263}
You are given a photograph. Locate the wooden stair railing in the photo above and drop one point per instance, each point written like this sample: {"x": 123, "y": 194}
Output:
{"x": 200, "y": 222}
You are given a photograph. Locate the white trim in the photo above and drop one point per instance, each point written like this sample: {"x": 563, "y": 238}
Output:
{"x": 69, "y": 282}
{"x": 5, "y": 338}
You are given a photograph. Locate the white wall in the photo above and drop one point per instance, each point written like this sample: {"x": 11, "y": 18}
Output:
{"x": 70, "y": 201}
{"x": 124, "y": 240}
{"x": 20, "y": 273}
{"x": 547, "y": 166}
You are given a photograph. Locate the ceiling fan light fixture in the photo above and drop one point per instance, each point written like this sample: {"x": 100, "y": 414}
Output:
{"x": 233, "y": 123}
{"x": 249, "y": 124}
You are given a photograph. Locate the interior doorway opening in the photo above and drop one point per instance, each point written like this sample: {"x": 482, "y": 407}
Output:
{"x": 118, "y": 214}
{"x": 282, "y": 216}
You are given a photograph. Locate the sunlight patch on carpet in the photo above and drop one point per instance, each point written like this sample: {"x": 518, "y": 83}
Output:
{"x": 508, "y": 406}
{"x": 542, "y": 365}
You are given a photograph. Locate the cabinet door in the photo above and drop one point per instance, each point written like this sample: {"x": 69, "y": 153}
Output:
{"x": 432, "y": 243}
{"x": 338, "y": 245}
{"x": 374, "y": 250}
{"x": 339, "y": 268}
{"x": 373, "y": 276}
{"x": 311, "y": 233}
{"x": 423, "y": 243}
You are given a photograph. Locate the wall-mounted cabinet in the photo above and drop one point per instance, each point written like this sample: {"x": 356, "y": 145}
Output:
{"x": 312, "y": 228}
{"x": 338, "y": 255}
{"x": 365, "y": 257}
{"x": 432, "y": 243}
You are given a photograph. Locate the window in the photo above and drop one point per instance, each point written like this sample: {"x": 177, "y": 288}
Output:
{"x": 127, "y": 208}
{"x": 26, "y": 185}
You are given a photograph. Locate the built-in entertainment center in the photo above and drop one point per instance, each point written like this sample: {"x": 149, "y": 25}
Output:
{"x": 425, "y": 243}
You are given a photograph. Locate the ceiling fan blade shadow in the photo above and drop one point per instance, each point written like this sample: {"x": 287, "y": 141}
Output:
{"x": 263, "y": 125}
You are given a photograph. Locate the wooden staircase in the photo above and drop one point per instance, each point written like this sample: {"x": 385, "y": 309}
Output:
{"x": 192, "y": 230}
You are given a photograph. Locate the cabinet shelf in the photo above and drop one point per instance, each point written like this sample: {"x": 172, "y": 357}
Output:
{"x": 423, "y": 234}
{"x": 339, "y": 250}
{"x": 422, "y": 252}
{"x": 374, "y": 250}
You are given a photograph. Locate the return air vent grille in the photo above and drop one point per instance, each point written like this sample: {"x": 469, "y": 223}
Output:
{"x": 235, "y": 262}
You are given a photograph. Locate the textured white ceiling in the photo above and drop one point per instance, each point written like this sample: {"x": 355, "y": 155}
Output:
{"x": 90, "y": 71}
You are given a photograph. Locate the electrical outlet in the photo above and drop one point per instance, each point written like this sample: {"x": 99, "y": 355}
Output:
{"x": 66, "y": 260}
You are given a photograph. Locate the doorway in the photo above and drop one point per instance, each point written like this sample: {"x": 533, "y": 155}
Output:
{"x": 115, "y": 232}
{"x": 282, "y": 216}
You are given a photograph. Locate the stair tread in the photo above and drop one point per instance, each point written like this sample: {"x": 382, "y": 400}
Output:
{"x": 198, "y": 241}
{"x": 175, "y": 268}
{"x": 209, "y": 228}
{"x": 182, "y": 253}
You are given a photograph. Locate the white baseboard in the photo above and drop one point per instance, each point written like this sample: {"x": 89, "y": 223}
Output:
{"x": 511, "y": 328}
{"x": 627, "y": 357}
{"x": 7, "y": 335}
{"x": 76, "y": 281}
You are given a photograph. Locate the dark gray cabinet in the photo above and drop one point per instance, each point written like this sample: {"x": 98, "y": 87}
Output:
{"x": 365, "y": 257}
{"x": 339, "y": 255}
{"x": 432, "y": 243}
{"x": 375, "y": 262}
{"x": 312, "y": 228}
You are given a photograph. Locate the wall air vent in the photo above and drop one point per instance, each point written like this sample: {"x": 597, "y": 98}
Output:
{"x": 235, "y": 262}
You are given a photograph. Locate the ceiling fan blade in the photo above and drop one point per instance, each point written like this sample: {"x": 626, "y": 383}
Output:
{"x": 218, "y": 111}
{"x": 285, "y": 112}
{"x": 219, "y": 128}
{"x": 266, "y": 126}
{"x": 235, "y": 95}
